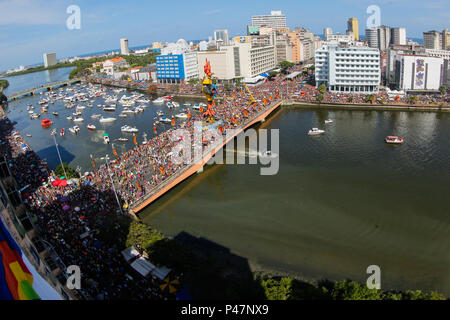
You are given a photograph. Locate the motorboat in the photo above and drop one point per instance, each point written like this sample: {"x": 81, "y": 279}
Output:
{"x": 90, "y": 126}
{"x": 77, "y": 114}
{"x": 46, "y": 123}
{"x": 123, "y": 115}
{"x": 106, "y": 120}
{"x": 74, "y": 129}
{"x": 165, "y": 119}
{"x": 106, "y": 138}
{"x": 96, "y": 116}
{"x": 160, "y": 113}
{"x": 268, "y": 154}
{"x": 126, "y": 110}
{"x": 62, "y": 132}
{"x": 69, "y": 117}
{"x": 175, "y": 104}
{"x": 394, "y": 140}
{"x": 129, "y": 129}
{"x": 122, "y": 139}
{"x": 81, "y": 107}
{"x": 55, "y": 113}
{"x": 28, "y": 135}
{"x": 328, "y": 121}
{"x": 181, "y": 115}
{"x": 170, "y": 105}
{"x": 196, "y": 106}
{"x": 109, "y": 108}
{"x": 187, "y": 104}
{"x": 78, "y": 119}
{"x": 315, "y": 132}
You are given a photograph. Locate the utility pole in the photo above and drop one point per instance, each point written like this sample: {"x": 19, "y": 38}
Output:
{"x": 59, "y": 155}
{"x": 112, "y": 182}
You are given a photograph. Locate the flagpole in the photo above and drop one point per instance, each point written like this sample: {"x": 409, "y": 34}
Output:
{"x": 59, "y": 155}
{"x": 112, "y": 182}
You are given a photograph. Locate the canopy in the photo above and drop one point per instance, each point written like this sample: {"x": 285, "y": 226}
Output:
{"x": 129, "y": 253}
{"x": 143, "y": 266}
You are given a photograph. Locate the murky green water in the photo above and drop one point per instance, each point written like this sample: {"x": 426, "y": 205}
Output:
{"x": 340, "y": 202}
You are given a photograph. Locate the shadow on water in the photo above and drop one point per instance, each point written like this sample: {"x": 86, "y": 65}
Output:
{"x": 50, "y": 155}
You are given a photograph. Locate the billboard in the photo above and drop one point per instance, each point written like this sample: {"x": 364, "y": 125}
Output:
{"x": 243, "y": 39}
{"x": 419, "y": 80}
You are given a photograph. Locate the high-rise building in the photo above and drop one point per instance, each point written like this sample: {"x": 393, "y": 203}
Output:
{"x": 177, "y": 68}
{"x": 418, "y": 72}
{"x": 222, "y": 35}
{"x": 398, "y": 36}
{"x": 326, "y": 33}
{"x": 384, "y": 37}
{"x": 372, "y": 37}
{"x": 124, "y": 46}
{"x": 49, "y": 59}
{"x": 352, "y": 25}
{"x": 445, "y": 39}
{"x": 348, "y": 68}
{"x": 432, "y": 39}
{"x": 275, "y": 20}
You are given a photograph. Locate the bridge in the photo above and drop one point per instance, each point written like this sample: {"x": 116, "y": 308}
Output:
{"x": 45, "y": 87}
{"x": 186, "y": 172}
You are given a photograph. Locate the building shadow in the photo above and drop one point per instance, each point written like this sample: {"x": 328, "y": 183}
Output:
{"x": 51, "y": 156}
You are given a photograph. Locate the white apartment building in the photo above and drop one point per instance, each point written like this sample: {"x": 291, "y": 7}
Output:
{"x": 339, "y": 37}
{"x": 275, "y": 20}
{"x": 432, "y": 40}
{"x": 326, "y": 33}
{"x": 416, "y": 72}
{"x": 348, "y": 68}
{"x": 190, "y": 65}
{"x": 124, "y": 46}
{"x": 49, "y": 59}
{"x": 222, "y": 35}
{"x": 238, "y": 61}
{"x": 384, "y": 37}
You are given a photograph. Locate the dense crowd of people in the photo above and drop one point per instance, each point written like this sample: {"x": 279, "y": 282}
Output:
{"x": 77, "y": 219}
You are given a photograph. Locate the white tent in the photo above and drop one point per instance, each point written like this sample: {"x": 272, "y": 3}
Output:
{"x": 161, "y": 273}
{"x": 130, "y": 253}
{"x": 142, "y": 266}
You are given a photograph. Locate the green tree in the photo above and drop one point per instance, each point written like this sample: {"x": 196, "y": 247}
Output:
{"x": 4, "y": 84}
{"x": 370, "y": 98}
{"x": 143, "y": 235}
{"x": 351, "y": 290}
{"x": 322, "y": 88}
{"x": 71, "y": 173}
{"x": 124, "y": 77}
{"x": 320, "y": 97}
{"x": 443, "y": 90}
{"x": 286, "y": 64}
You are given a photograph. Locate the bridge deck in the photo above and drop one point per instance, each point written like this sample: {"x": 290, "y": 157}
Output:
{"x": 185, "y": 173}
{"x": 43, "y": 87}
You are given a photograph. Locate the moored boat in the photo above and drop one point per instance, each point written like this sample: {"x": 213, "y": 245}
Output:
{"x": 315, "y": 132}
{"x": 394, "y": 140}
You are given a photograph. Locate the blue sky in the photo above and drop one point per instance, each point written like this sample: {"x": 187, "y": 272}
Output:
{"x": 29, "y": 28}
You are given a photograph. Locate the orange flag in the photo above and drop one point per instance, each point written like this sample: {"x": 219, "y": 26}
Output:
{"x": 162, "y": 170}
{"x": 173, "y": 121}
{"x": 114, "y": 151}
{"x": 134, "y": 139}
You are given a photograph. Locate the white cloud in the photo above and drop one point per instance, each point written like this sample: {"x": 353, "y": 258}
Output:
{"x": 31, "y": 12}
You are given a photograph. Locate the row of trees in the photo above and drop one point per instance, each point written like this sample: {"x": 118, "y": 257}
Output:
{"x": 3, "y": 84}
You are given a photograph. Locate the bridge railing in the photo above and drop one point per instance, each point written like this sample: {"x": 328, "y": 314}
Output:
{"x": 184, "y": 169}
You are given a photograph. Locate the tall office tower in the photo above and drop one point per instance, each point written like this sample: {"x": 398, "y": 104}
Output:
{"x": 49, "y": 59}
{"x": 372, "y": 37}
{"x": 124, "y": 46}
{"x": 352, "y": 25}
{"x": 398, "y": 36}
{"x": 222, "y": 35}
{"x": 445, "y": 39}
{"x": 384, "y": 37}
{"x": 275, "y": 20}
{"x": 326, "y": 33}
{"x": 432, "y": 39}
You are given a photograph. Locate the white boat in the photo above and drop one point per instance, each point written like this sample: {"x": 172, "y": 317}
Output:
{"x": 181, "y": 115}
{"x": 69, "y": 117}
{"x": 55, "y": 113}
{"x": 35, "y": 116}
{"x": 165, "y": 119}
{"x": 126, "y": 110}
{"x": 80, "y": 108}
{"x": 159, "y": 101}
{"x": 96, "y": 116}
{"x": 315, "y": 132}
{"x": 187, "y": 104}
{"x": 170, "y": 105}
{"x": 106, "y": 138}
{"x": 123, "y": 115}
{"x": 78, "y": 119}
{"x": 196, "y": 107}
{"x": 74, "y": 129}
{"x": 267, "y": 154}
{"x": 122, "y": 139}
{"x": 109, "y": 108}
{"x": 129, "y": 129}
{"x": 106, "y": 120}
{"x": 90, "y": 126}
{"x": 328, "y": 121}
{"x": 160, "y": 113}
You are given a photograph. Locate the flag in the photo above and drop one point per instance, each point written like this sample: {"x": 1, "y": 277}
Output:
{"x": 154, "y": 129}
{"x": 134, "y": 139}
{"x": 162, "y": 170}
{"x": 92, "y": 160}
{"x": 137, "y": 183}
{"x": 16, "y": 281}
{"x": 114, "y": 151}
{"x": 173, "y": 121}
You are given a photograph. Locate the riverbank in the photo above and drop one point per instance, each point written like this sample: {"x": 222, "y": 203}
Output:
{"x": 368, "y": 107}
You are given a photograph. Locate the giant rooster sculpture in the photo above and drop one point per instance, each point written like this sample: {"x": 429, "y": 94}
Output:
{"x": 209, "y": 90}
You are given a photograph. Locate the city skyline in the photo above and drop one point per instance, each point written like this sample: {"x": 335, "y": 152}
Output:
{"x": 31, "y": 28}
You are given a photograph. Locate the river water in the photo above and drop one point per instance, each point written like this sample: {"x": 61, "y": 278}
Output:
{"x": 339, "y": 203}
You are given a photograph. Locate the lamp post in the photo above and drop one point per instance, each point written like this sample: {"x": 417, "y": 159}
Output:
{"x": 57, "y": 149}
{"x": 112, "y": 182}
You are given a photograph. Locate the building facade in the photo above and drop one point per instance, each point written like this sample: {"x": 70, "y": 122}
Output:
{"x": 372, "y": 37}
{"x": 326, "y": 33}
{"x": 353, "y": 26}
{"x": 420, "y": 73}
{"x": 49, "y": 59}
{"x": 177, "y": 68}
{"x": 398, "y": 36}
{"x": 346, "y": 68}
{"x": 384, "y": 37}
{"x": 432, "y": 40}
{"x": 222, "y": 35}
{"x": 124, "y": 46}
